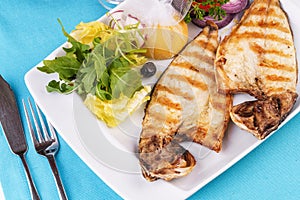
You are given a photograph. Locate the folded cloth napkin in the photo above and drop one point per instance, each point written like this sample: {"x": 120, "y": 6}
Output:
{"x": 29, "y": 31}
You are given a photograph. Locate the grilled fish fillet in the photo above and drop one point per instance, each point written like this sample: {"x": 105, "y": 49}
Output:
{"x": 184, "y": 106}
{"x": 259, "y": 58}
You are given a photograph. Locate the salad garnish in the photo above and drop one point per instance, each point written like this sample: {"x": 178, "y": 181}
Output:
{"x": 201, "y": 8}
{"x": 100, "y": 64}
{"x": 107, "y": 71}
{"x": 221, "y": 12}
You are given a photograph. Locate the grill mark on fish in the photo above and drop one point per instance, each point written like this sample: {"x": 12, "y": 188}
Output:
{"x": 162, "y": 119}
{"x": 185, "y": 65}
{"x": 256, "y": 11}
{"x": 277, "y": 78}
{"x": 257, "y": 35}
{"x": 276, "y": 90}
{"x": 203, "y": 72}
{"x": 167, "y": 158}
{"x": 163, "y": 88}
{"x": 275, "y": 65}
{"x": 263, "y": 24}
{"x": 271, "y": 11}
{"x": 208, "y": 46}
{"x": 165, "y": 101}
{"x": 192, "y": 82}
{"x": 205, "y": 34}
{"x": 200, "y": 56}
{"x": 201, "y": 133}
{"x": 267, "y": 35}
{"x": 175, "y": 91}
{"x": 196, "y": 134}
{"x": 260, "y": 50}
{"x": 219, "y": 105}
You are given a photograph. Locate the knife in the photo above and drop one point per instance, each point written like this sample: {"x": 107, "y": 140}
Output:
{"x": 13, "y": 129}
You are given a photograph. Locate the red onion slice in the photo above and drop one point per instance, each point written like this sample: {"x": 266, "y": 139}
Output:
{"x": 123, "y": 19}
{"x": 235, "y": 6}
{"x": 220, "y": 23}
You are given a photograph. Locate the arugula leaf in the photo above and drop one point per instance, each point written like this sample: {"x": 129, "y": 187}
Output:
{"x": 124, "y": 80}
{"x": 60, "y": 87}
{"x": 78, "y": 49}
{"x": 66, "y": 67}
{"x": 107, "y": 70}
{"x": 102, "y": 73}
{"x": 91, "y": 71}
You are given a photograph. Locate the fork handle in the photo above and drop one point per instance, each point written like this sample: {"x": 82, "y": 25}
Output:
{"x": 33, "y": 191}
{"x": 59, "y": 185}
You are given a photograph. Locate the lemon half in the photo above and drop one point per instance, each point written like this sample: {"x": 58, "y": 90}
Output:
{"x": 164, "y": 42}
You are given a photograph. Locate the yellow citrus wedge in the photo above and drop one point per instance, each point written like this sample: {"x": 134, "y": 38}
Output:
{"x": 163, "y": 42}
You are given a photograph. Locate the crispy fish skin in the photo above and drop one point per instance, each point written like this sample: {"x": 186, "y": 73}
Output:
{"x": 261, "y": 117}
{"x": 259, "y": 58}
{"x": 181, "y": 108}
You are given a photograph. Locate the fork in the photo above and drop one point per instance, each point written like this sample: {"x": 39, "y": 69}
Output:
{"x": 44, "y": 144}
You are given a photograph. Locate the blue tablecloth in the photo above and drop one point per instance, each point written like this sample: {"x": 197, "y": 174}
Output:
{"x": 29, "y": 31}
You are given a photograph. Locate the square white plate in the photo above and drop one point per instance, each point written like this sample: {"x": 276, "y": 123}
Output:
{"x": 110, "y": 153}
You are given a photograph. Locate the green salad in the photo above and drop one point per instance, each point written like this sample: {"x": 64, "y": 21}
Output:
{"x": 100, "y": 64}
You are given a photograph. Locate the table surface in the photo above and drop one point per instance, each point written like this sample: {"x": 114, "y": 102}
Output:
{"x": 29, "y": 31}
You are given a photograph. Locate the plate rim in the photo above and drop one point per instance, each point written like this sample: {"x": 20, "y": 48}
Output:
{"x": 171, "y": 188}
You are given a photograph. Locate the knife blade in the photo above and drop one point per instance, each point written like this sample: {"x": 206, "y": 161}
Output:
{"x": 13, "y": 130}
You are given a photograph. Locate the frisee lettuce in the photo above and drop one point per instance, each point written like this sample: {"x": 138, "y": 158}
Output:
{"x": 115, "y": 111}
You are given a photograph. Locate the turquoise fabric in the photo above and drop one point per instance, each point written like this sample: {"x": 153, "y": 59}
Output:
{"x": 29, "y": 31}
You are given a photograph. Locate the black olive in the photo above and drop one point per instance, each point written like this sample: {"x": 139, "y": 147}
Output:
{"x": 148, "y": 69}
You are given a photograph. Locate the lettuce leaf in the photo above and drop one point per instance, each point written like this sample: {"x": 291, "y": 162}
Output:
{"x": 107, "y": 71}
{"x": 115, "y": 111}
{"x": 102, "y": 73}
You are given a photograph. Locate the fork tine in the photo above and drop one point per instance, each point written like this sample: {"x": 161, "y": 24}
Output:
{"x": 47, "y": 146}
{"x": 46, "y": 134}
{"x": 37, "y": 127}
{"x": 52, "y": 131}
{"x": 29, "y": 123}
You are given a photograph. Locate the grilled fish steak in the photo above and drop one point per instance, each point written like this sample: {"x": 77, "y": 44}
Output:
{"x": 184, "y": 106}
{"x": 259, "y": 58}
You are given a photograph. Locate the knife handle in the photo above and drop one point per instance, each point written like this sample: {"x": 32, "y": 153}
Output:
{"x": 33, "y": 191}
